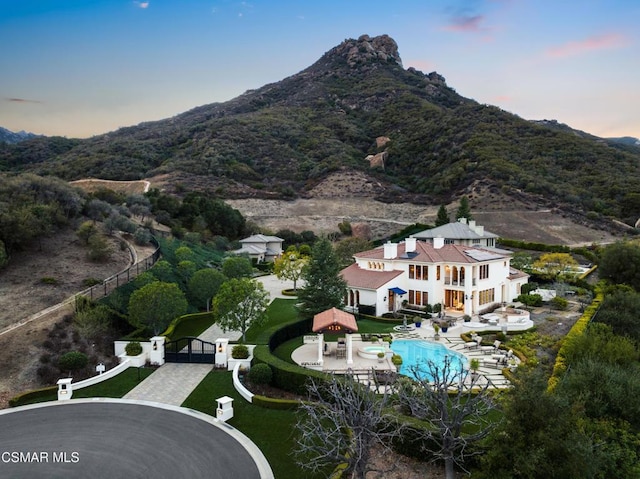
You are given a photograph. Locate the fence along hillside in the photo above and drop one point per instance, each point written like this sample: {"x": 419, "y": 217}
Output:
{"x": 97, "y": 291}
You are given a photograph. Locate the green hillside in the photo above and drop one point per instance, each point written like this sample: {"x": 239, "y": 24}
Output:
{"x": 282, "y": 139}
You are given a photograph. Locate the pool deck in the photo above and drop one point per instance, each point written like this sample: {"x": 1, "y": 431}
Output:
{"x": 489, "y": 371}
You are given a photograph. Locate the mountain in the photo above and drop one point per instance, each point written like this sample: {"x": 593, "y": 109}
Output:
{"x": 11, "y": 137}
{"x": 626, "y": 140}
{"x": 357, "y": 110}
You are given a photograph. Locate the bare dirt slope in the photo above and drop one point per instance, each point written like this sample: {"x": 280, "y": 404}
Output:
{"x": 124, "y": 187}
{"x": 22, "y": 293}
{"x": 350, "y": 196}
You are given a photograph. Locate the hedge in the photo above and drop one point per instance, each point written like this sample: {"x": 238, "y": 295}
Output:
{"x": 34, "y": 396}
{"x": 578, "y": 329}
{"x": 174, "y": 324}
{"x": 272, "y": 403}
{"x": 286, "y": 376}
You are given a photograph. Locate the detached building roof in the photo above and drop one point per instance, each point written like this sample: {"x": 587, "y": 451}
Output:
{"x": 334, "y": 319}
{"x": 261, "y": 239}
{"x": 456, "y": 231}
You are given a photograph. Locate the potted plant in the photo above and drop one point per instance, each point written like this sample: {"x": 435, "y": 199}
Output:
{"x": 474, "y": 365}
{"x": 380, "y": 356}
{"x": 417, "y": 320}
{"x": 444, "y": 325}
{"x": 396, "y": 359}
{"x": 133, "y": 350}
{"x": 466, "y": 318}
{"x": 436, "y": 328}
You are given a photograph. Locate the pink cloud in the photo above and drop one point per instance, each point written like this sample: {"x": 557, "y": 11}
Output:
{"x": 502, "y": 99}
{"x": 464, "y": 23}
{"x": 142, "y": 5}
{"x": 421, "y": 65}
{"x": 593, "y": 43}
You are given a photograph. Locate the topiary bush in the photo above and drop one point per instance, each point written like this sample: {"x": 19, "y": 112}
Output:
{"x": 240, "y": 351}
{"x": 73, "y": 361}
{"x": 133, "y": 348}
{"x": 260, "y": 374}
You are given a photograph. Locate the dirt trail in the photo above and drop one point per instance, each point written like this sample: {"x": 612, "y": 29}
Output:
{"x": 23, "y": 293}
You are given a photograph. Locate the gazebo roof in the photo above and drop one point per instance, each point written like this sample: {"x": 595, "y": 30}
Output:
{"x": 334, "y": 320}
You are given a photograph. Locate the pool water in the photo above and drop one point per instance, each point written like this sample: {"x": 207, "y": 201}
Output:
{"x": 419, "y": 353}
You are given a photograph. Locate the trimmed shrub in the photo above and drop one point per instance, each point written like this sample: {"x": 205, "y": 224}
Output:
{"x": 272, "y": 403}
{"x": 133, "y": 348}
{"x": 578, "y": 329}
{"x": 73, "y": 361}
{"x": 240, "y": 351}
{"x": 530, "y": 299}
{"x": 37, "y": 395}
{"x": 286, "y": 376}
{"x": 560, "y": 303}
{"x": 260, "y": 374}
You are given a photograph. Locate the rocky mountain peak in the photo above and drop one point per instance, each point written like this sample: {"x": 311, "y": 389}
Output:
{"x": 365, "y": 49}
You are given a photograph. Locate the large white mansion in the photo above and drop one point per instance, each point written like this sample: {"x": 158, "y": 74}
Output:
{"x": 462, "y": 271}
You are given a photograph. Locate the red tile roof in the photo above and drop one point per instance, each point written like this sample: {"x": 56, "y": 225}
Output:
{"x": 516, "y": 273}
{"x": 426, "y": 253}
{"x": 334, "y": 319}
{"x": 366, "y": 278}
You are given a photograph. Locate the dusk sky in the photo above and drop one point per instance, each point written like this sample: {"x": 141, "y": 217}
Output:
{"x": 81, "y": 68}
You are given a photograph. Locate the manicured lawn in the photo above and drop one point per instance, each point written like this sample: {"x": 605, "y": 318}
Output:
{"x": 280, "y": 311}
{"x": 285, "y": 350}
{"x": 369, "y": 326}
{"x": 193, "y": 326}
{"x": 115, "y": 387}
{"x": 269, "y": 429}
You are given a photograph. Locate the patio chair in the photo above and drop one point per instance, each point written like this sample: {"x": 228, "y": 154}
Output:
{"x": 502, "y": 359}
{"x": 491, "y": 349}
{"x": 474, "y": 343}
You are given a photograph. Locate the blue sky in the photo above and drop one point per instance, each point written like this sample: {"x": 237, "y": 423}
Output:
{"x": 81, "y": 68}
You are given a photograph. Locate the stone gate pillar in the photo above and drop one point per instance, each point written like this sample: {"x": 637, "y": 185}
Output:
{"x": 222, "y": 345}
{"x": 156, "y": 355}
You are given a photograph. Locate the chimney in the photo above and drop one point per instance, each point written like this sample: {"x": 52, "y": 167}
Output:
{"x": 462, "y": 220}
{"x": 410, "y": 245}
{"x": 480, "y": 230}
{"x": 472, "y": 225}
{"x": 390, "y": 250}
{"x": 438, "y": 242}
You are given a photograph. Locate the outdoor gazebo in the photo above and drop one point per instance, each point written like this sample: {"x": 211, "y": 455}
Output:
{"x": 335, "y": 320}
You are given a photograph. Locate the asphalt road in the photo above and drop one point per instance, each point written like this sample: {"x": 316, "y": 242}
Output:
{"x": 106, "y": 440}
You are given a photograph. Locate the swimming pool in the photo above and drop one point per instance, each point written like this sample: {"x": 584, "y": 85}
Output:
{"x": 419, "y": 353}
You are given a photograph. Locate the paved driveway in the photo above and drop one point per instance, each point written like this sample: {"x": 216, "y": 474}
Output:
{"x": 274, "y": 286}
{"x": 114, "y": 439}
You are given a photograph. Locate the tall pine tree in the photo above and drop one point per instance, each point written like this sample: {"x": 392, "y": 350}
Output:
{"x": 324, "y": 287}
{"x": 443, "y": 216}
{"x": 464, "y": 210}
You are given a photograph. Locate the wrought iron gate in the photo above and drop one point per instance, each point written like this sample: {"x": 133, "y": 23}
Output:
{"x": 190, "y": 350}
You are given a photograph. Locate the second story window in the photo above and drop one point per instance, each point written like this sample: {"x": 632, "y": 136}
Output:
{"x": 484, "y": 271}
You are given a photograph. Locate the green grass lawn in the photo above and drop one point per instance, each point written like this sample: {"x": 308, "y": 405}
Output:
{"x": 280, "y": 311}
{"x": 285, "y": 350}
{"x": 115, "y": 387}
{"x": 271, "y": 430}
{"x": 194, "y": 325}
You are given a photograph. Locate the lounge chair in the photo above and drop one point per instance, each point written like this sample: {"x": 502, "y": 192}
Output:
{"x": 502, "y": 359}
{"x": 491, "y": 349}
{"x": 476, "y": 340}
